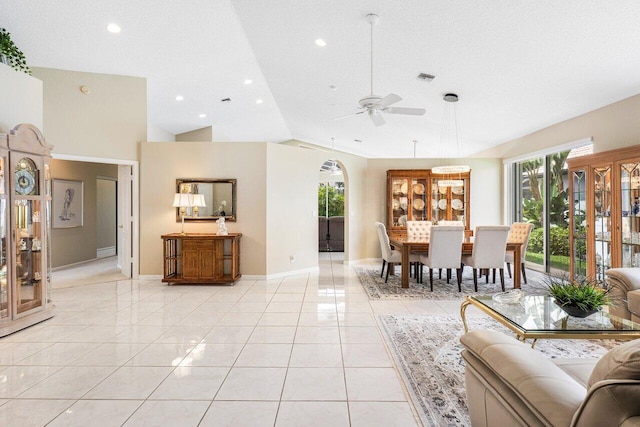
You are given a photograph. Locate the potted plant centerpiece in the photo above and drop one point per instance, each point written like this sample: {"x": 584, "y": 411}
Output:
{"x": 578, "y": 297}
{"x": 10, "y": 54}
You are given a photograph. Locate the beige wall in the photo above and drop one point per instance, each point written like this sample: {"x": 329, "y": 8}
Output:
{"x": 72, "y": 245}
{"x": 106, "y": 212}
{"x": 108, "y": 122}
{"x": 21, "y": 99}
{"x": 614, "y": 126}
{"x": 154, "y": 133}
{"x": 292, "y": 204}
{"x": 204, "y": 134}
{"x": 163, "y": 162}
{"x": 356, "y": 187}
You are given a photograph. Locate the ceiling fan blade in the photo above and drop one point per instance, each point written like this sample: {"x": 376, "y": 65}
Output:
{"x": 376, "y": 117}
{"x": 345, "y": 116}
{"x": 392, "y": 98}
{"x": 405, "y": 110}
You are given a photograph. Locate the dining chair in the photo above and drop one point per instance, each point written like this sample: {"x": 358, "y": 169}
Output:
{"x": 519, "y": 233}
{"x": 488, "y": 252}
{"x": 445, "y": 251}
{"x": 445, "y": 222}
{"x": 418, "y": 231}
{"x": 389, "y": 256}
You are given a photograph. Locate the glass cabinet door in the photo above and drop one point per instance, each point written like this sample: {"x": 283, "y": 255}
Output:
{"x": 439, "y": 201}
{"x": 602, "y": 220}
{"x": 630, "y": 213}
{"x": 399, "y": 202}
{"x": 4, "y": 286}
{"x": 29, "y": 274}
{"x": 579, "y": 215}
{"x": 419, "y": 199}
{"x": 458, "y": 205}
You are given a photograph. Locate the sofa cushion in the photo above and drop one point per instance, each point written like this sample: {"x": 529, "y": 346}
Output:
{"x": 621, "y": 362}
{"x": 633, "y": 302}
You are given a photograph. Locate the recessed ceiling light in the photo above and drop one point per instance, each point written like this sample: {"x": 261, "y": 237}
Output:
{"x": 321, "y": 42}
{"x": 202, "y": 116}
{"x": 179, "y": 98}
{"x": 248, "y": 81}
{"x": 113, "y": 28}
{"x": 259, "y": 101}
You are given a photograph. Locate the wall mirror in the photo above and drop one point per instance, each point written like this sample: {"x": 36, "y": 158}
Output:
{"x": 219, "y": 199}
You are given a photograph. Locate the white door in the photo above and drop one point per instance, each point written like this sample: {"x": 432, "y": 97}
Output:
{"x": 125, "y": 220}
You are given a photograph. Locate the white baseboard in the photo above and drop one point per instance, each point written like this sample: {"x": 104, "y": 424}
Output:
{"x": 150, "y": 277}
{"x": 361, "y": 260}
{"x": 248, "y": 276}
{"x": 280, "y": 275}
{"x": 106, "y": 252}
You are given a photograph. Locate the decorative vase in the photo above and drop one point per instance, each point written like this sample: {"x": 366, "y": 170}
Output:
{"x": 574, "y": 311}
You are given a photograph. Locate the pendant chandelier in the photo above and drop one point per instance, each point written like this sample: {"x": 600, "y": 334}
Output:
{"x": 450, "y": 98}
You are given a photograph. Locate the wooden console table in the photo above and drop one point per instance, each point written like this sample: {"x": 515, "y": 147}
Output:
{"x": 201, "y": 258}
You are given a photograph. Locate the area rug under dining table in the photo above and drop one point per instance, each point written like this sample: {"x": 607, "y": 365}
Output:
{"x": 377, "y": 289}
{"x": 426, "y": 349}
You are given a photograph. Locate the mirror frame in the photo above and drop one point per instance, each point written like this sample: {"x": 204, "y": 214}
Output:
{"x": 232, "y": 218}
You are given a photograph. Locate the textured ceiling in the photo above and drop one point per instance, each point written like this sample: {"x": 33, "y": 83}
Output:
{"x": 518, "y": 66}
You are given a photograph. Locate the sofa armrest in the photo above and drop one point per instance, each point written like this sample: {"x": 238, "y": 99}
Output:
{"x": 543, "y": 387}
{"x": 627, "y": 279}
{"x": 610, "y": 402}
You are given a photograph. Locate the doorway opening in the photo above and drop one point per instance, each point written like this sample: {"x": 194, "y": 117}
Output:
{"x": 120, "y": 198}
{"x": 331, "y": 207}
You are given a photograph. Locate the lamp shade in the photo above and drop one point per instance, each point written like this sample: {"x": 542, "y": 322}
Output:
{"x": 183, "y": 200}
{"x": 198, "y": 200}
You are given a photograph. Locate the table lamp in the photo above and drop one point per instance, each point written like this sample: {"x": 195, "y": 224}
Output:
{"x": 183, "y": 201}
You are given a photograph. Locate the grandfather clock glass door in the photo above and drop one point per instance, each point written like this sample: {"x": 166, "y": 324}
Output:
{"x": 27, "y": 207}
{"x": 4, "y": 285}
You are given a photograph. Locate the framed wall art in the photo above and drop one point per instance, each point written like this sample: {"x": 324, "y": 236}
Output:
{"x": 68, "y": 202}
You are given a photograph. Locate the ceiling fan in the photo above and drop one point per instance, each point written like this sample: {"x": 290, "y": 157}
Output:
{"x": 375, "y": 105}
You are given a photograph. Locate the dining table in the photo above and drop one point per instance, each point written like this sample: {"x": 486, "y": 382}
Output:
{"x": 406, "y": 246}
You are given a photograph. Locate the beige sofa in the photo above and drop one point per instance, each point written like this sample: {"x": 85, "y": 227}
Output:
{"x": 510, "y": 384}
{"x": 625, "y": 291}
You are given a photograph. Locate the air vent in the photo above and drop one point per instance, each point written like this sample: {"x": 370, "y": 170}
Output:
{"x": 225, "y": 100}
{"x": 426, "y": 77}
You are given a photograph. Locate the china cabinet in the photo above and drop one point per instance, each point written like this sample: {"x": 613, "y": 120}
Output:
{"x": 415, "y": 195}
{"x": 25, "y": 212}
{"x": 450, "y": 203}
{"x": 604, "y": 212}
{"x": 201, "y": 258}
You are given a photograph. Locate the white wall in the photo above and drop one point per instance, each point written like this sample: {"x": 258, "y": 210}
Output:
{"x": 21, "y": 99}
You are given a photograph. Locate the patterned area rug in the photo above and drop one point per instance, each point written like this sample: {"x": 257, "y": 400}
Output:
{"x": 427, "y": 351}
{"x": 376, "y": 288}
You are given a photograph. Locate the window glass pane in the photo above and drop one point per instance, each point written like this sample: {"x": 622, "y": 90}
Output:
{"x": 558, "y": 188}
{"x": 532, "y": 203}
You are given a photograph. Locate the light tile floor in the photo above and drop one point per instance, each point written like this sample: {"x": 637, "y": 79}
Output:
{"x": 303, "y": 350}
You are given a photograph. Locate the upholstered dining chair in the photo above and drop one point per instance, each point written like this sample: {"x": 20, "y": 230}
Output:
{"x": 520, "y": 233}
{"x": 445, "y": 222}
{"x": 389, "y": 256}
{"x": 488, "y": 252}
{"x": 418, "y": 231}
{"x": 445, "y": 251}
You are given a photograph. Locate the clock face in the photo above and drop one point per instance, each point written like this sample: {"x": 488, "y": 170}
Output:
{"x": 25, "y": 177}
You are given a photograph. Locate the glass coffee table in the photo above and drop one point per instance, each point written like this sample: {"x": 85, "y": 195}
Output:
{"x": 535, "y": 317}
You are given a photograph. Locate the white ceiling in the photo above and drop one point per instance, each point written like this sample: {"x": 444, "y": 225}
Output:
{"x": 518, "y": 66}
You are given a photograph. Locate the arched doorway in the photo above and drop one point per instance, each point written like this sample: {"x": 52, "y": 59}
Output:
{"x": 331, "y": 207}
